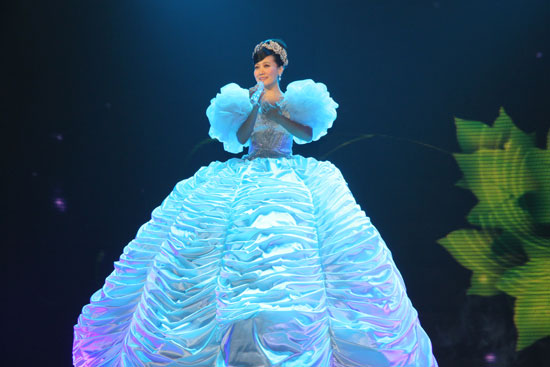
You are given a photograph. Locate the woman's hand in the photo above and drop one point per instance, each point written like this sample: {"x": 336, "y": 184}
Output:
{"x": 272, "y": 112}
{"x": 253, "y": 89}
{"x": 245, "y": 130}
{"x": 256, "y": 93}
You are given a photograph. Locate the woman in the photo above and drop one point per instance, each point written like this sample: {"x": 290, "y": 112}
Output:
{"x": 261, "y": 261}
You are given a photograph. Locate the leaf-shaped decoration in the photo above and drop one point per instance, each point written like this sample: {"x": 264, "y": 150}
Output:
{"x": 510, "y": 250}
{"x": 530, "y": 285}
{"x": 538, "y": 162}
{"x": 472, "y": 249}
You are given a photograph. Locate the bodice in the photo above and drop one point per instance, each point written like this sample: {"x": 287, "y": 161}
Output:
{"x": 305, "y": 102}
{"x": 269, "y": 139}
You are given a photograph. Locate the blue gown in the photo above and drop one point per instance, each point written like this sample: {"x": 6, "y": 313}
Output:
{"x": 265, "y": 260}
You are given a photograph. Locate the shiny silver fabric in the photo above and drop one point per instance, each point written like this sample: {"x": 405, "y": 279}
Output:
{"x": 269, "y": 139}
{"x": 251, "y": 263}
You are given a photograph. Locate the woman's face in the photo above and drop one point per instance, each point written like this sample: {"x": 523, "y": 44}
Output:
{"x": 267, "y": 71}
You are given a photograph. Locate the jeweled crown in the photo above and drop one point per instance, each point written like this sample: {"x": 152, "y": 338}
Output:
{"x": 273, "y": 46}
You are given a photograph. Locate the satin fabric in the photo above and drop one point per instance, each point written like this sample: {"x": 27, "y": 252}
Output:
{"x": 252, "y": 263}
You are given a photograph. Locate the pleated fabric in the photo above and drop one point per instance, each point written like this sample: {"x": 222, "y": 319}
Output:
{"x": 252, "y": 263}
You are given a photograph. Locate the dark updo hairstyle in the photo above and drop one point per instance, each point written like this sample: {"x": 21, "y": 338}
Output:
{"x": 264, "y": 52}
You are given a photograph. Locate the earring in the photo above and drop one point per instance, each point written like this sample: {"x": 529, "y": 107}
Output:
{"x": 279, "y": 77}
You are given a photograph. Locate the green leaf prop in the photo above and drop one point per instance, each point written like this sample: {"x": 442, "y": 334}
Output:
{"x": 529, "y": 285}
{"x": 508, "y": 249}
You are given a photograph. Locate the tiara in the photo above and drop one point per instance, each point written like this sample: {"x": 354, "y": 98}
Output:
{"x": 273, "y": 46}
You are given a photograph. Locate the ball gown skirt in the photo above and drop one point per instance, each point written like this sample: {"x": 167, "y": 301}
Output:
{"x": 252, "y": 263}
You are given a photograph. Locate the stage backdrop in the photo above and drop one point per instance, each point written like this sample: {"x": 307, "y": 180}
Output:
{"x": 442, "y": 135}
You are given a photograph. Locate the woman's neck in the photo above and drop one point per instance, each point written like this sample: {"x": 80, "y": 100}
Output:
{"x": 273, "y": 91}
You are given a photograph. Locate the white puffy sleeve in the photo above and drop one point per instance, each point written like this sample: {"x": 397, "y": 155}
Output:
{"x": 226, "y": 113}
{"x": 310, "y": 104}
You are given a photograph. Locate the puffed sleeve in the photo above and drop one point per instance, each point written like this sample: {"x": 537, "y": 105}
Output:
{"x": 226, "y": 113}
{"x": 309, "y": 103}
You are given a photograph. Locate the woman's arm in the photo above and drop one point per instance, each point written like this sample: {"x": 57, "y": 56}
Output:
{"x": 244, "y": 132}
{"x": 300, "y": 131}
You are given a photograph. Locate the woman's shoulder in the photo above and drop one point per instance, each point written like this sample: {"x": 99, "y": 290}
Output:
{"x": 233, "y": 90}
{"x": 309, "y": 103}
{"x": 226, "y": 112}
{"x": 307, "y": 86}
{"x": 308, "y": 96}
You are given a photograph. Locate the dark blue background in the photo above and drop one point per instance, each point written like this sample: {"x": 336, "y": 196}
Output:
{"x": 104, "y": 102}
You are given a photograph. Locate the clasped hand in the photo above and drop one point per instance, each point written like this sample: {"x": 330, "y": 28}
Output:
{"x": 270, "y": 111}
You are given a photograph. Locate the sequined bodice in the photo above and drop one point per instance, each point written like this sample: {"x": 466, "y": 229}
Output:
{"x": 269, "y": 139}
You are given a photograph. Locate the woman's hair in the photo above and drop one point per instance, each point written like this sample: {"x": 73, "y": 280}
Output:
{"x": 263, "y": 52}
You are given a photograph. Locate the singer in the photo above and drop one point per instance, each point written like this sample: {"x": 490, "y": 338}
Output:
{"x": 263, "y": 260}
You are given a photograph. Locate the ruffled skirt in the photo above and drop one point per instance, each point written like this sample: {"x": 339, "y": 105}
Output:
{"x": 268, "y": 262}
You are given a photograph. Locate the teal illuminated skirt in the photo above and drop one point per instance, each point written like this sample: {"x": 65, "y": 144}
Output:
{"x": 251, "y": 263}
